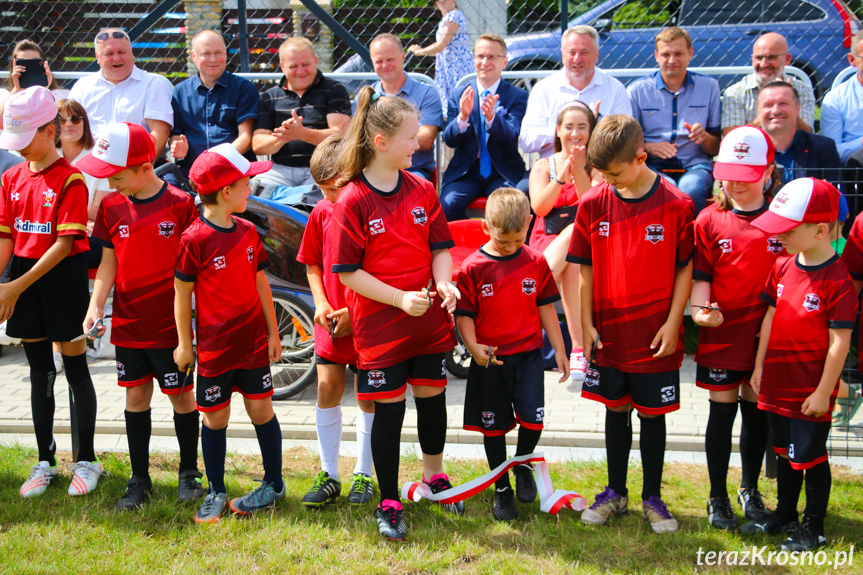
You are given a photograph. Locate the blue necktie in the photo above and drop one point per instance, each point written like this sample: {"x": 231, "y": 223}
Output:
{"x": 484, "y": 158}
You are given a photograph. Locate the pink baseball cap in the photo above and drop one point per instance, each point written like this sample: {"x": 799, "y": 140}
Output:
{"x": 221, "y": 166}
{"x": 744, "y": 154}
{"x": 802, "y": 201}
{"x": 25, "y": 112}
{"x": 120, "y": 145}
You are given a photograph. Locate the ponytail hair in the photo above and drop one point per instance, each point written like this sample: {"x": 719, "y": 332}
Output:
{"x": 375, "y": 114}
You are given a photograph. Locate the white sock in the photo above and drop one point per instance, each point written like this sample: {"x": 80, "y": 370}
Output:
{"x": 364, "y": 443}
{"x": 329, "y": 424}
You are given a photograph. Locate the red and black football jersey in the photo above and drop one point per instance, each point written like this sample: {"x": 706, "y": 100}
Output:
{"x": 635, "y": 247}
{"x": 317, "y": 252}
{"x": 853, "y": 258}
{"x": 503, "y": 295}
{"x": 229, "y": 320}
{"x": 391, "y": 235}
{"x": 735, "y": 258}
{"x": 809, "y": 301}
{"x": 145, "y": 235}
{"x": 38, "y": 207}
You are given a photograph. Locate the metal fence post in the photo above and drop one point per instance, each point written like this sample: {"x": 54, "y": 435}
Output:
{"x": 244, "y": 36}
{"x": 564, "y": 16}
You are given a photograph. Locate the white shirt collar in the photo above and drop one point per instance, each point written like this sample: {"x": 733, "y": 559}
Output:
{"x": 491, "y": 90}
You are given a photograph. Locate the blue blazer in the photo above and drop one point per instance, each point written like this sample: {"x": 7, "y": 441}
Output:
{"x": 502, "y": 136}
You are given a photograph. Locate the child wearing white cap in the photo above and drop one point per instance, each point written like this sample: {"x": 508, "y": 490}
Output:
{"x": 43, "y": 229}
{"x": 805, "y": 338}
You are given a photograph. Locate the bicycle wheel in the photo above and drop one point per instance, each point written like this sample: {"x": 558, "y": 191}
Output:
{"x": 297, "y": 367}
{"x": 458, "y": 360}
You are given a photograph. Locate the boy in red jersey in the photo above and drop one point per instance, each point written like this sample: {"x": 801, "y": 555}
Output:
{"x": 138, "y": 228}
{"x": 805, "y": 338}
{"x": 633, "y": 239}
{"x": 43, "y": 229}
{"x": 508, "y": 292}
{"x": 334, "y": 344}
{"x": 222, "y": 260}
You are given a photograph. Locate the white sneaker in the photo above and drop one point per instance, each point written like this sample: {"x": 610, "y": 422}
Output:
{"x": 577, "y": 365}
{"x": 40, "y": 477}
{"x": 85, "y": 476}
{"x": 58, "y": 361}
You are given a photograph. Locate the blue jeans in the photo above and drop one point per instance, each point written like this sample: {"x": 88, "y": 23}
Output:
{"x": 696, "y": 182}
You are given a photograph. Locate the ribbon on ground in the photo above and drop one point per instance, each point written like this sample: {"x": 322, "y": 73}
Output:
{"x": 551, "y": 500}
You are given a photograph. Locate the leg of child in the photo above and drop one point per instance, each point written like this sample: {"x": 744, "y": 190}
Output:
{"x": 187, "y": 428}
{"x": 566, "y": 275}
{"x": 495, "y": 452}
{"x": 717, "y": 439}
{"x": 818, "y": 483}
{"x": 789, "y": 481}
{"x": 431, "y": 427}
{"x": 81, "y": 386}
{"x": 42, "y": 376}
{"x": 328, "y": 416}
{"x": 214, "y": 442}
{"x": 386, "y": 438}
{"x": 365, "y": 421}
{"x": 139, "y": 427}
{"x": 269, "y": 438}
{"x": 618, "y": 444}
{"x": 652, "y": 453}
{"x": 753, "y": 437}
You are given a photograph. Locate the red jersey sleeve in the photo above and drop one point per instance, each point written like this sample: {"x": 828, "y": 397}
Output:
{"x": 579, "y": 245}
{"x": 261, "y": 259}
{"x": 440, "y": 237}
{"x": 703, "y": 259}
{"x": 547, "y": 292}
{"x": 350, "y": 235}
{"x": 312, "y": 247}
{"x": 188, "y": 213}
{"x": 72, "y": 209}
{"x": 5, "y": 224}
{"x": 770, "y": 294}
{"x": 188, "y": 262}
{"x": 842, "y": 307}
{"x": 101, "y": 231}
{"x": 685, "y": 236}
{"x": 467, "y": 305}
{"x": 853, "y": 254}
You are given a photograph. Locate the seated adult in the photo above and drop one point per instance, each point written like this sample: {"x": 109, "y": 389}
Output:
{"x": 842, "y": 108}
{"x": 769, "y": 58}
{"x": 388, "y": 59}
{"x": 485, "y": 118}
{"x": 212, "y": 107}
{"x": 122, "y": 92}
{"x": 27, "y": 50}
{"x": 298, "y": 114}
{"x": 679, "y": 113}
{"x": 579, "y": 79}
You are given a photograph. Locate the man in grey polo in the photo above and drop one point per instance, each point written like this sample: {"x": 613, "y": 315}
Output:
{"x": 679, "y": 113}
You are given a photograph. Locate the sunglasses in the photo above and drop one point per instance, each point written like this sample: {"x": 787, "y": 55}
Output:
{"x": 75, "y": 119}
{"x": 116, "y": 34}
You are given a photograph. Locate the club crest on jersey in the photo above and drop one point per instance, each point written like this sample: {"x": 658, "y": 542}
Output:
{"x": 124, "y": 231}
{"x": 774, "y": 246}
{"x": 250, "y": 253}
{"x": 211, "y": 394}
{"x": 487, "y": 290}
{"x": 725, "y": 246}
{"x": 488, "y": 418}
{"x": 121, "y": 369}
{"x": 667, "y": 394}
{"x": 49, "y": 196}
{"x": 166, "y": 229}
{"x": 741, "y": 150}
{"x": 528, "y": 286}
{"x": 171, "y": 379}
{"x": 219, "y": 262}
{"x": 591, "y": 377}
{"x": 812, "y": 302}
{"x": 102, "y": 146}
{"x": 376, "y": 226}
{"x": 267, "y": 381}
{"x": 604, "y": 229}
{"x": 28, "y": 227}
{"x": 377, "y": 378}
{"x": 419, "y": 214}
{"x": 779, "y": 288}
{"x": 718, "y": 375}
{"x": 655, "y": 233}
{"x": 14, "y": 196}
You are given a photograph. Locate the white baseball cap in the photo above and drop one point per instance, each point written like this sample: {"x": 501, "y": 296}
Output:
{"x": 120, "y": 145}
{"x": 221, "y": 166}
{"x": 802, "y": 201}
{"x": 744, "y": 154}
{"x": 25, "y": 112}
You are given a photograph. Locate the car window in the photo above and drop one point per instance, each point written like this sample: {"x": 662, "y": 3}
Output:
{"x": 791, "y": 11}
{"x": 719, "y": 12}
{"x": 643, "y": 14}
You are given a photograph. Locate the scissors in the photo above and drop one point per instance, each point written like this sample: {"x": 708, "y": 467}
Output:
{"x": 427, "y": 291}
{"x": 93, "y": 332}
{"x": 707, "y": 307}
{"x": 491, "y": 357}
{"x": 332, "y": 329}
{"x": 188, "y": 371}
{"x": 593, "y": 349}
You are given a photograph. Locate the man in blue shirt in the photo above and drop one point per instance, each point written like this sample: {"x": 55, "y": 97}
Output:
{"x": 679, "y": 113}
{"x": 213, "y": 107}
{"x": 388, "y": 59}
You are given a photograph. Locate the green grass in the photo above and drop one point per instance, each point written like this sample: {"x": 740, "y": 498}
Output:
{"x": 58, "y": 534}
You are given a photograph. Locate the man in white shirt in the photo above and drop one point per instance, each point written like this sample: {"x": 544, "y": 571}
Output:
{"x": 579, "y": 79}
{"x": 122, "y": 92}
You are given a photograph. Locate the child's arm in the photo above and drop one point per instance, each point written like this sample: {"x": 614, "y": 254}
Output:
{"x": 668, "y": 335}
{"x": 585, "y": 287}
{"x": 324, "y": 312}
{"x": 7, "y": 246}
{"x": 274, "y": 342}
{"x": 413, "y": 303}
{"x": 183, "y": 355}
{"x": 442, "y": 274}
{"x": 763, "y": 338}
{"x": 9, "y": 292}
{"x": 467, "y": 331}
{"x": 818, "y": 403}
{"x": 699, "y": 297}
{"x": 548, "y": 319}
{"x": 106, "y": 275}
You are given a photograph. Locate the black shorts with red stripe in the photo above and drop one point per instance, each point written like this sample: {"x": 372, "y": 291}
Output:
{"x": 804, "y": 442}
{"x": 650, "y": 393}
{"x": 387, "y": 382}
{"x": 499, "y": 396}
{"x": 714, "y": 379}
{"x": 139, "y": 366}
{"x": 214, "y": 393}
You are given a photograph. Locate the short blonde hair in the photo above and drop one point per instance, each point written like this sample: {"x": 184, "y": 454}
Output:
{"x": 324, "y": 164}
{"x": 617, "y": 138}
{"x": 296, "y": 44}
{"x": 507, "y": 210}
{"x": 671, "y": 34}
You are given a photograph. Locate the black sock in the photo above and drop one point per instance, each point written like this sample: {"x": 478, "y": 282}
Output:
{"x": 788, "y": 484}
{"x": 618, "y": 443}
{"x": 431, "y": 423}
{"x": 818, "y": 483}
{"x": 386, "y": 439}
{"x": 495, "y": 452}
{"x": 753, "y": 442}
{"x": 42, "y": 376}
{"x": 717, "y": 445}
{"x": 84, "y": 394}
{"x": 270, "y": 439}
{"x": 214, "y": 443}
{"x": 186, "y": 427}
{"x": 138, "y": 429}
{"x": 652, "y": 455}
{"x": 527, "y": 440}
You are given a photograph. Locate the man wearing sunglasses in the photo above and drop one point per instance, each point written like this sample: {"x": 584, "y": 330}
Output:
{"x": 122, "y": 92}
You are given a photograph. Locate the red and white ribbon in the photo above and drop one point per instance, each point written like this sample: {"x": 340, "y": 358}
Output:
{"x": 551, "y": 500}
